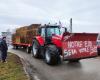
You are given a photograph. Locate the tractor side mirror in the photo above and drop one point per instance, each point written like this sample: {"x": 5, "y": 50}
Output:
{"x": 63, "y": 30}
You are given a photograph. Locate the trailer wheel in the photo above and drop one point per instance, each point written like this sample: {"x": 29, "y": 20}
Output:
{"x": 35, "y": 49}
{"x": 28, "y": 50}
{"x": 51, "y": 55}
{"x": 16, "y": 47}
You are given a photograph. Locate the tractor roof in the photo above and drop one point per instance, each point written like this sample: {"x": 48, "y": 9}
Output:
{"x": 50, "y": 26}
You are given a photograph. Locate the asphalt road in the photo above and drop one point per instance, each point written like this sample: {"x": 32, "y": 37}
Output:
{"x": 86, "y": 69}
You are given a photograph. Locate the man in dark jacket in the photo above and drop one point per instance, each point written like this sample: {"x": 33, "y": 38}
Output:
{"x": 3, "y": 48}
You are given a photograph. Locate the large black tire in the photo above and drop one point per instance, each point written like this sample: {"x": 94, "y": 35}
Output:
{"x": 52, "y": 56}
{"x": 28, "y": 49}
{"x": 36, "y": 49}
{"x": 16, "y": 47}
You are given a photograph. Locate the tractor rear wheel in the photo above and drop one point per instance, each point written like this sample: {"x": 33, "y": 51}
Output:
{"x": 52, "y": 55}
{"x": 35, "y": 49}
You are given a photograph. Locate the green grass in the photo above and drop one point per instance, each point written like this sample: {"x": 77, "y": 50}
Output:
{"x": 13, "y": 69}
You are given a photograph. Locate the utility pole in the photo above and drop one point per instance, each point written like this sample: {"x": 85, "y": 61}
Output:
{"x": 70, "y": 25}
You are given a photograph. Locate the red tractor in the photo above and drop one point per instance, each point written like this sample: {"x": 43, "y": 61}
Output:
{"x": 52, "y": 42}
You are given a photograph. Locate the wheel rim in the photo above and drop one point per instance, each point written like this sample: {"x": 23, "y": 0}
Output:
{"x": 35, "y": 48}
{"x": 47, "y": 56}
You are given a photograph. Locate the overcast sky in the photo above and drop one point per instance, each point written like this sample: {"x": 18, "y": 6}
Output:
{"x": 85, "y": 13}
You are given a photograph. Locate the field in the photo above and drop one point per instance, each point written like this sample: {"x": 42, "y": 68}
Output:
{"x": 13, "y": 69}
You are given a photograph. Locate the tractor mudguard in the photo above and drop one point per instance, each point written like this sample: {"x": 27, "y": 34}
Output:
{"x": 40, "y": 40}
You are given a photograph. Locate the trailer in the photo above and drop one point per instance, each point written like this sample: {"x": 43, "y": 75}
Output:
{"x": 23, "y": 37}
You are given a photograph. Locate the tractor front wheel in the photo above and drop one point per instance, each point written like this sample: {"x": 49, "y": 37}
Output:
{"x": 52, "y": 55}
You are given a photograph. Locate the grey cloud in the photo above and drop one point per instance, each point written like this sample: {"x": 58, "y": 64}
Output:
{"x": 85, "y": 13}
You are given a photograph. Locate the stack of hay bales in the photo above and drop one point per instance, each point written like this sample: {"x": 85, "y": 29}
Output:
{"x": 25, "y": 34}
{"x": 32, "y": 31}
{"x": 13, "y": 38}
{"x": 21, "y": 32}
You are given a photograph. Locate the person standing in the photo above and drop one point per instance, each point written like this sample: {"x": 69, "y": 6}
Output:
{"x": 4, "y": 48}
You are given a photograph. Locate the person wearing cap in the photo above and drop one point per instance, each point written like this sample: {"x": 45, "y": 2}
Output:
{"x": 3, "y": 48}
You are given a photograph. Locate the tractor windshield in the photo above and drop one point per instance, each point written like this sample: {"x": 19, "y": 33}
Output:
{"x": 51, "y": 31}
{"x": 56, "y": 31}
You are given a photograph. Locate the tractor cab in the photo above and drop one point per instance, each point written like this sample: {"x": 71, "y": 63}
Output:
{"x": 48, "y": 31}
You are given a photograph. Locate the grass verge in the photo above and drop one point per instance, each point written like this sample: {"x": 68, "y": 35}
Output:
{"x": 13, "y": 69}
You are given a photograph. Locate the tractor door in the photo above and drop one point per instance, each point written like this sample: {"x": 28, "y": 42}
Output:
{"x": 46, "y": 34}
